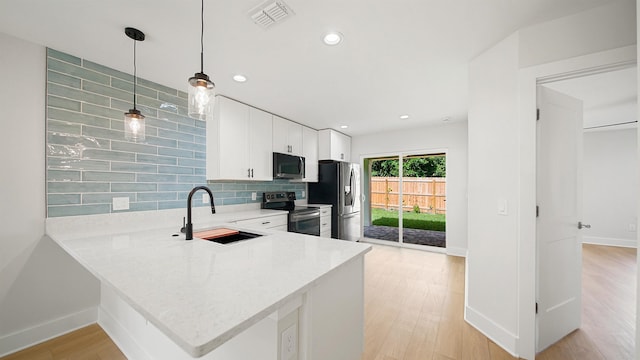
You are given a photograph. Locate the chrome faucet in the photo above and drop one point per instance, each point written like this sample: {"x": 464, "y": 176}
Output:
{"x": 189, "y": 225}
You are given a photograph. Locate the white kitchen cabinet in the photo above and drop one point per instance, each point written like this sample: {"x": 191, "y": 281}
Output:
{"x": 287, "y": 136}
{"x": 239, "y": 142}
{"x": 333, "y": 145}
{"x": 274, "y": 222}
{"x": 325, "y": 221}
{"x": 310, "y": 153}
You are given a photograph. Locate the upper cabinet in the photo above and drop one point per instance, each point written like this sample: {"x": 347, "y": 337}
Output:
{"x": 287, "y": 136}
{"x": 239, "y": 143}
{"x": 310, "y": 153}
{"x": 333, "y": 145}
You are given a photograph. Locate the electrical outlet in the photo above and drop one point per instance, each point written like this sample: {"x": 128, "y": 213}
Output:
{"x": 120, "y": 203}
{"x": 205, "y": 198}
{"x": 253, "y": 196}
{"x": 289, "y": 343}
{"x": 632, "y": 227}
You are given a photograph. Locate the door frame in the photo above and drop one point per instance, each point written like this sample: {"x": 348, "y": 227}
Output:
{"x": 399, "y": 154}
{"x": 528, "y": 79}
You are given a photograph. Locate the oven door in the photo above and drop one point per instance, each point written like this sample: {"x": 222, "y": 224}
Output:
{"x": 307, "y": 222}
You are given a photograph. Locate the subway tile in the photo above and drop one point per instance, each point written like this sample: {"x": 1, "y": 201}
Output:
{"x": 133, "y": 187}
{"x": 141, "y": 206}
{"x": 153, "y": 140}
{"x": 63, "y": 127}
{"x": 156, "y": 86}
{"x": 163, "y": 126}
{"x": 100, "y": 154}
{"x": 150, "y": 130}
{"x": 157, "y": 196}
{"x": 154, "y": 103}
{"x": 172, "y": 99}
{"x": 156, "y": 178}
{"x": 63, "y": 56}
{"x": 199, "y": 155}
{"x": 126, "y": 105}
{"x": 163, "y": 205}
{"x": 106, "y": 70}
{"x": 191, "y": 130}
{"x": 128, "y": 87}
{"x": 164, "y": 169}
{"x": 192, "y": 163}
{"x": 194, "y": 179}
{"x": 62, "y": 103}
{"x": 153, "y": 159}
{"x": 191, "y": 146}
{"x": 106, "y": 91}
{"x": 214, "y": 186}
{"x": 201, "y": 124}
{"x": 134, "y": 167}
{"x": 74, "y": 117}
{"x": 175, "y": 187}
{"x": 179, "y": 119}
{"x": 63, "y": 175}
{"x": 199, "y": 171}
{"x": 73, "y": 210}
{"x": 78, "y": 141}
{"x": 174, "y": 134}
{"x": 175, "y": 152}
{"x": 63, "y": 199}
{"x": 105, "y": 198}
{"x": 247, "y": 194}
{"x": 77, "y": 187}
{"x": 63, "y": 79}
{"x": 133, "y": 147}
{"x": 166, "y": 107}
{"x": 107, "y": 176}
{"x": 79, "y": 164}
{"x": 224, "y": 194}
{"x": 234, "y": 201}
{"x": 183, "y": 94}
{"x": 200, "y": 140}
{"x": 102, "y": 111}
{"x": 95, "y": 132}
{"x": 234, "y": 186}
{"x": 77, "y": 71}
{"x": 76, "y": 94}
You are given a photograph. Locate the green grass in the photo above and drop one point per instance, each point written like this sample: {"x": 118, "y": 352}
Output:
{"x": 410, "y": 220}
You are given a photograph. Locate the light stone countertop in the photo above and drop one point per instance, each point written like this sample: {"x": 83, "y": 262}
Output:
{"x": 200, "y": 293}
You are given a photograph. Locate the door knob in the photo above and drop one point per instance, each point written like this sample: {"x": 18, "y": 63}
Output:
{"x": 581, "y": 225}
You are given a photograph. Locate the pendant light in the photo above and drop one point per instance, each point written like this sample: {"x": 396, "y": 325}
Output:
{"x": 201, "y": 89}
{"x": 134, "y": 120}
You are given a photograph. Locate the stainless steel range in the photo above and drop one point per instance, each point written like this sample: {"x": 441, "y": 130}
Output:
{"x": 302, "y": 219}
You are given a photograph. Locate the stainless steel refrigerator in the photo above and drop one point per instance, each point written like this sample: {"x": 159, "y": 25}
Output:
{"x": 339, "y": 185}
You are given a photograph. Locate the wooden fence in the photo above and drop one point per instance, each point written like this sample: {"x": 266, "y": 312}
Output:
{"x": 428, "y": 193}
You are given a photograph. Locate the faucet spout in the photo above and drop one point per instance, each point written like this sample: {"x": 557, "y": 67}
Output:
{"x": 189, "y": 225}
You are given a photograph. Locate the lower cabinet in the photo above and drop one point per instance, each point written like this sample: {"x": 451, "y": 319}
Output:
{"x": 274, "y": 222}
{"x": 325, "y": 221}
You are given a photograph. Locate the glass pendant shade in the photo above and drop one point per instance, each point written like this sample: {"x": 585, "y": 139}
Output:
{"x": 201, "y": 96}
{"x": 134, "y": 126}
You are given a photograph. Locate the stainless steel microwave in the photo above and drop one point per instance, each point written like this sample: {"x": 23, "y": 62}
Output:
{"x": 287, "y": 166}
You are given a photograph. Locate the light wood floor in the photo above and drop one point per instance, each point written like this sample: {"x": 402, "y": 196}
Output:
{"x": 414, "y": 303}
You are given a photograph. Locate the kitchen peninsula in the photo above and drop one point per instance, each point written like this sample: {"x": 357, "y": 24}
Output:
{"x": 279, "y": 296}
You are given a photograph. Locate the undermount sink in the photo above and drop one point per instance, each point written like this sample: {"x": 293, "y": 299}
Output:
{"x": 225, "y": 236}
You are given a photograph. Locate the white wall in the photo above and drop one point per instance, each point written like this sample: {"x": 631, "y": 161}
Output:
{"x": 610, "y": 187}
{"x": 491, "y": 299}
{"x": 502, "y": 111}
{"x": 453, "y": 138}
{"x": 42, "y": 290}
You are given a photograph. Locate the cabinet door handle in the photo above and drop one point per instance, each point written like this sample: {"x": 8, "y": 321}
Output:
{"x": 342, "y": 156}
{"x": 248, "y": 172}
{"x": 252, "y": 172}
{"x": 266, "y": 222}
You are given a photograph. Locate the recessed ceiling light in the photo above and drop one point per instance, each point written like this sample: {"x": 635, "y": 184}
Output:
{"x": 344, "y": 126}
{"x": 239, "y": 78}
{"x": 332, "y": 38}
{"x": 404, "y": 117}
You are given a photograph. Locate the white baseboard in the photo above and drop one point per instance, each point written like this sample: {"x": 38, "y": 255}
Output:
{"x": 456, "y": 251}
{"x": 502, "y": 337}
{"x": 121, "y": 337}
{"x": 609, "y": 241}
{"x": 46, "y": 331}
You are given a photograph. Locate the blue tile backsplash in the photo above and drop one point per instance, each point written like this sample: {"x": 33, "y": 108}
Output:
{"x": 89, "y": 162}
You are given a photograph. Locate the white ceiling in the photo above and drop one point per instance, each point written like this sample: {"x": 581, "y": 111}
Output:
{"x": 609, "y": 98}
{"x": 397, "y": 57}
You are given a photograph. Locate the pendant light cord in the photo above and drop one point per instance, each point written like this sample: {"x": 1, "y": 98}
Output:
{"x": 201, "y": 37}
{"x": 135, "y": 78}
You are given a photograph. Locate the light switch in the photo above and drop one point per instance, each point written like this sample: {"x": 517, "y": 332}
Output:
{"x": 205, "y": 198}
{"x": 120, "y": 203}
{"x": 502, "y": 207}
{"x": 253, "y": 196}
{"x": 304, "y": 193}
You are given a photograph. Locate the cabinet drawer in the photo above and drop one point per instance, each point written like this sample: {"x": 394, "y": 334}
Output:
{"x": 325, "y": 234}
{"x": 266, "y": 222}
{"x": 325, "y": 211}
{"x": 325, "y": 224}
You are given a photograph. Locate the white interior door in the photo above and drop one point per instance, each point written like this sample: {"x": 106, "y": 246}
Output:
{"x": 559, "y": 194}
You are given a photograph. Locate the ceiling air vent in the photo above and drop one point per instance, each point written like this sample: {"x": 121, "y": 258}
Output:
{"x": 270, "y": 13}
